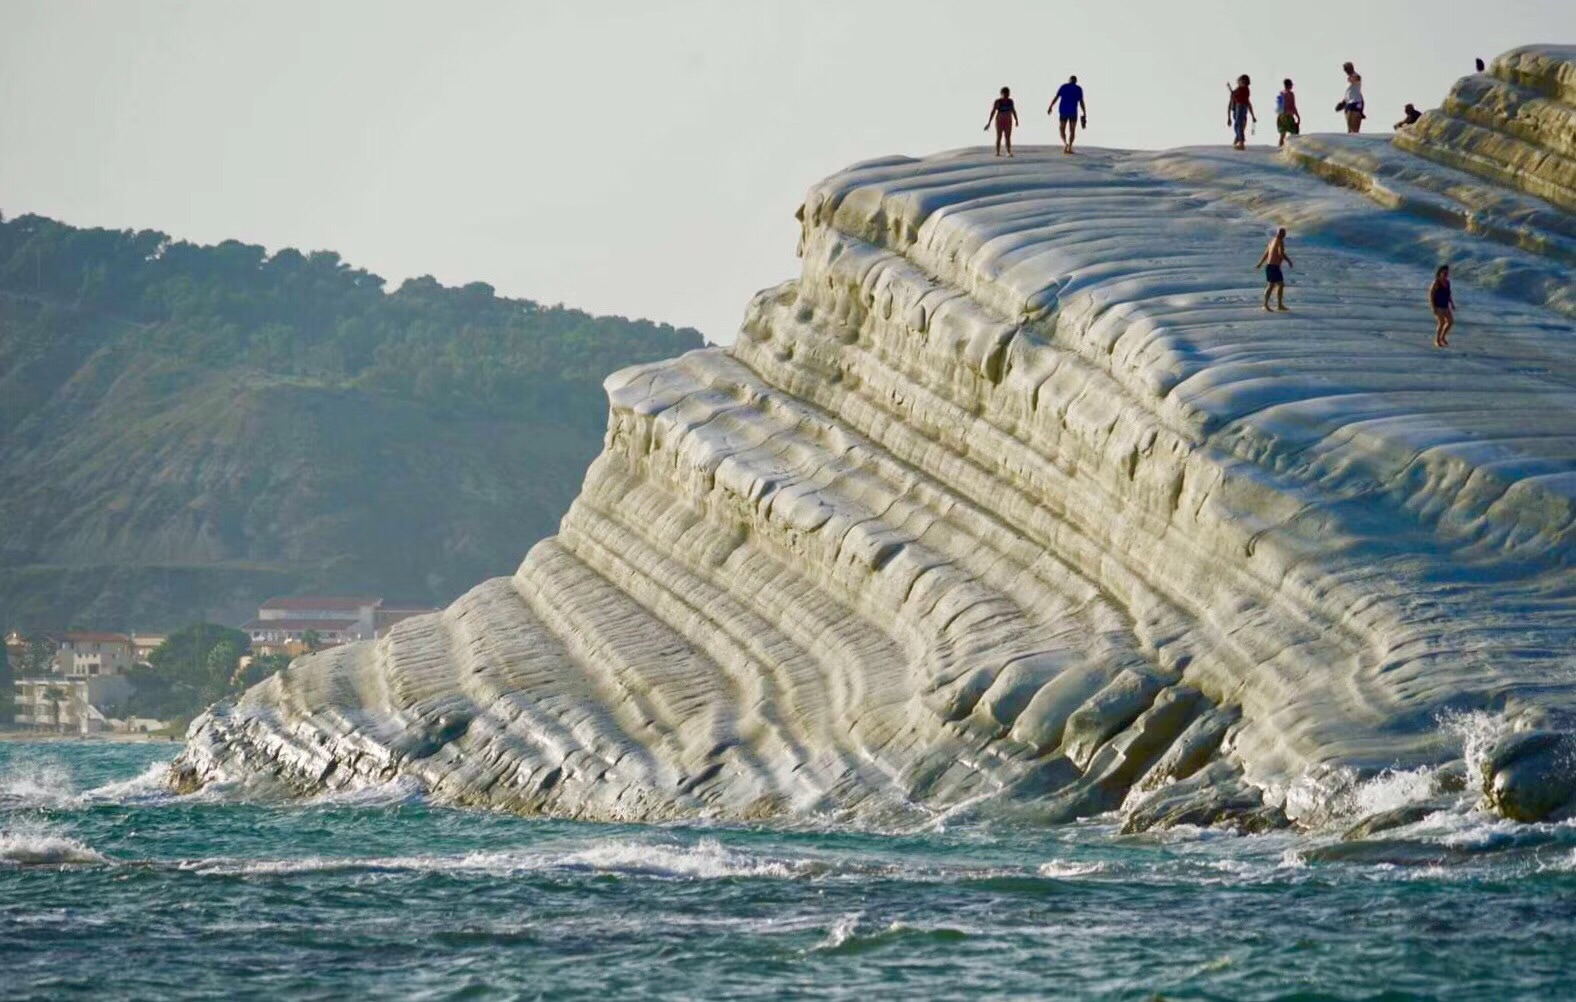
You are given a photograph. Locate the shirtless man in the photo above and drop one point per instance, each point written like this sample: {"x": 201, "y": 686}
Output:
{"x": 1275, "y": 280}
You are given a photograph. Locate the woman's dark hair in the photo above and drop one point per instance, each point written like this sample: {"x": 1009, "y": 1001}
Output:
{"x": 1287, "y": 81}
{"x": 1348, "y": 67}
{"x": 1005, "y": 91}
{"x": 1243, "y": 79}
{"x": 1439, "y": 272}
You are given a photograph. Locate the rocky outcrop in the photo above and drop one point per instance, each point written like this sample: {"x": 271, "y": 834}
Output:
{"x": 1018, "y": 499}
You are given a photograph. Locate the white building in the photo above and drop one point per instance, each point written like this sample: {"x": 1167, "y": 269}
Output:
{"x": 86, "y": 654}
{"x": 76, "y": 705}
{"x": 354, "y": 616}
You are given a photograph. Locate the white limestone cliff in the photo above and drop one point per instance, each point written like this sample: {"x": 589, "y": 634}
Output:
{"x": 1018, "y": 499}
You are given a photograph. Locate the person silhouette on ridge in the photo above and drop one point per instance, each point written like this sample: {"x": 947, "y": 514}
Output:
{"x": 1238, "y": 107}
{"x": 1071, "y": 97}
{"x": 1288, "y": 120}
{"x": 1005, "y": 115}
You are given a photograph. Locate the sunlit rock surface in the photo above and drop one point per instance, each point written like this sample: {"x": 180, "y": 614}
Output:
{"x": 1017, "y": 500}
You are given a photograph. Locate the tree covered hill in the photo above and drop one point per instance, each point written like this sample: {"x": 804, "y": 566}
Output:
{"x": 186, "y": 430}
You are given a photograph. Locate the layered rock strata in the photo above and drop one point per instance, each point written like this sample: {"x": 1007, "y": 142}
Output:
{"x": 1017, "y": 499}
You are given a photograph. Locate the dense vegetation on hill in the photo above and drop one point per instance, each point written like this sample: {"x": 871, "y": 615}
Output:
{"x": 185, "y": 430}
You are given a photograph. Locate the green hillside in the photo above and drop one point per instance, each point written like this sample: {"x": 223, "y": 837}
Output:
{"x": 186, "y": 430}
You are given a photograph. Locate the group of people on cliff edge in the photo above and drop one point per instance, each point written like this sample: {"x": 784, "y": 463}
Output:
{"x": 1288, "y": 119}
{"x": 1004, "y": 115}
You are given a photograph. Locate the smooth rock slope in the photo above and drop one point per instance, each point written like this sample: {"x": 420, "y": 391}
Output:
{"x": 1018, "y": 500}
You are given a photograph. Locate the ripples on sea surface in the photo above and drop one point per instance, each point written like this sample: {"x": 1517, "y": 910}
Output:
{"x": 110, "y": 887}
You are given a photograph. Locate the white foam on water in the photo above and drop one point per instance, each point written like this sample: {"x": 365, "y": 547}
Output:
{"x": 400, "y": 790}
{"x": 1478, "y": 731}
{"x": 149, "y": 784}
{"x": 1062, "y": 870}
{"x": 843, "y": 930}
{"x": 707, "y": 859}
{"x": 35, "y": 844}
{"x": 30, "y": 782}
{"x": 1392, "y": 789}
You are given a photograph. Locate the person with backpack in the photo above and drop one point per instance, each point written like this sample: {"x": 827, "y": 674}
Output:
{"x": 1288, "y": 120}
{"x": 1005, "y": 115}
{"x": 1238, "y": 108}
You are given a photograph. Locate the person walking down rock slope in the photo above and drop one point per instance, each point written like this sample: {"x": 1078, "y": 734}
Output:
{"x": 1274, "y": 278}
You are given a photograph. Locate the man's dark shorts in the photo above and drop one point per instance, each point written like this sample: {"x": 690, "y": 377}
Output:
{"x": 1273, "y": 275}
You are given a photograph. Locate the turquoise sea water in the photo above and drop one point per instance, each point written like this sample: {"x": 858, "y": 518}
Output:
{"x": 110, "y": 887}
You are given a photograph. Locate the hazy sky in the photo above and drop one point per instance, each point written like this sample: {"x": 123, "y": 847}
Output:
{"x": 639, "y": 157}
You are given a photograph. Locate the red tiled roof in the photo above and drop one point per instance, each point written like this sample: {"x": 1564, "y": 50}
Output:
{"x": 94, "y": 637}
{"x": 320, "y": 625}
{"x": 349, "y": 602}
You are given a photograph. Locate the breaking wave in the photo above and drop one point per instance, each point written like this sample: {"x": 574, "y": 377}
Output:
{"x": 33, "y": 844}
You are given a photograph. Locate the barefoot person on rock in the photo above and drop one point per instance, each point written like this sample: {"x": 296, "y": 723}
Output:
{"x": 1071, "y": 97}
{"x": 1444, "y": 306}
{"x": 1352, "y": 103}
{"x": 1238, "y": 107}
{"x": 1271, "y": 260}
{"x": 1005, "y": 115}
{"x": 1288, "y": 120}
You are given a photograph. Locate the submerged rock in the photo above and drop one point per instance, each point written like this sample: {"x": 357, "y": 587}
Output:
{"x": 1019, "y": 494}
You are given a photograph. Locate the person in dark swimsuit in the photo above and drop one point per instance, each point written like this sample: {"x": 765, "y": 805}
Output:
{"x": 1005, "y": 115}
{"x": 1444, "y": 305}
{"x": 1408, "y": 117}
{"x": 1274, "y": 278}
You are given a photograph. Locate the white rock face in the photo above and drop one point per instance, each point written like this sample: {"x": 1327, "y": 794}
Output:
{"x": 1018, "y": 499}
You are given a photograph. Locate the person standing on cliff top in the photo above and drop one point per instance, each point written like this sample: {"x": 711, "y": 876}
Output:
{"x": 1005, "y": 114}
{"x": 1071, "y": 97}
{"x": 1275, "y": 280}
{"x": 1238, "y": 107}
{"x": 1288, "y": 120}
{"x": 1444, "y": 306}
{"x": 1352, "y": 103}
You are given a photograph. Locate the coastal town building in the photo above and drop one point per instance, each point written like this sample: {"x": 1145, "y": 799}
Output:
{"x": 357, "y": 612}
{"x": 87, "y": 653}
{"x": 83, "y": 704}
{"x": 143, "y": 645}
{"x": 296, "y": 636}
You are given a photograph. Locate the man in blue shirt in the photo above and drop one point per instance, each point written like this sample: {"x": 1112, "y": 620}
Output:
{"x": 1070, "y": 95}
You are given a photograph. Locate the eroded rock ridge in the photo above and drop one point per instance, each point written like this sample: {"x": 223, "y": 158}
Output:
{"x": 1018, "y": 500}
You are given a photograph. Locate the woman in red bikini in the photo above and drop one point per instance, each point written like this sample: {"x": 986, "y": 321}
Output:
{"x": 1005, "y": 115}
